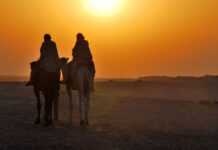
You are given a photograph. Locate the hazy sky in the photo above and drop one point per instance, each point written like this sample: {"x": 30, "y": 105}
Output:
{"x": 141, "y": 37}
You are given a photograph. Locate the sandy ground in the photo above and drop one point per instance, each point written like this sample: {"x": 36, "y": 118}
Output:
{"x": 124, "y": 116}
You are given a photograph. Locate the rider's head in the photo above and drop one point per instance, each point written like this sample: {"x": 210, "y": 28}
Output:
{"x": 80, "y": 36}
{"x": 47, "y": 37}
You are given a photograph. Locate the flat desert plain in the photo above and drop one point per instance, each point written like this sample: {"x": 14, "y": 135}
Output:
{"x": 125, "y": 115}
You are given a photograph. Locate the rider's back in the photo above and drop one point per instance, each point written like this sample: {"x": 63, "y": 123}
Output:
{"x": 82, "y": 53}
{"x": 49, "y": 59}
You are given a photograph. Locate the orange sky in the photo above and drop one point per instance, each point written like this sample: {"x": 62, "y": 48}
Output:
{"x": 145, "y": 37}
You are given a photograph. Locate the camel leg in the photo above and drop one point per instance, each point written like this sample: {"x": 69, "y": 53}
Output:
{"x": 81, "y": 100}
{"x": 69, "y": 92}
{"x": 84, "y": 94}
{"x": 53, "y": 98}
{"x": 37, "y": 93}
{"x": 82, "y": 105}
{"x": 47, "y": 111}
{"x": 87, "y": 92}
{"x": 50, "y": 104}
{"x": 56, "y": 109}
{"x": 87, "y": 108}
{"x": 84, "y": 110}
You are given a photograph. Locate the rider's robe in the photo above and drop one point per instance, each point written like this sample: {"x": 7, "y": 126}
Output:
{"x": 82, "y": 55}
{"x": 49, "y": 58}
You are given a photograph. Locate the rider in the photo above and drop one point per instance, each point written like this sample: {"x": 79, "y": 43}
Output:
{"x": 82, "y": 56}
{"x": 49, "y": 58}
{"x": 48, "y": 61}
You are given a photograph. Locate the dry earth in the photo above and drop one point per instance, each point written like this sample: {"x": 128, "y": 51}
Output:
{"x": 126, "y": 115}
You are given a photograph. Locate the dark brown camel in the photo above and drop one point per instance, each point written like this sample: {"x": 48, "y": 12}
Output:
{"x": 48, "y": 85}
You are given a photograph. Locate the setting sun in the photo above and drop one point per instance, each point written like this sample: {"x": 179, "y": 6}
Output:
{"x": 103, "y": 7}
{"x": 128, "y": 38}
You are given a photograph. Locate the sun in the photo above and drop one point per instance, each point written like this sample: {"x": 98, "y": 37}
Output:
{"x": 103, "y": 7}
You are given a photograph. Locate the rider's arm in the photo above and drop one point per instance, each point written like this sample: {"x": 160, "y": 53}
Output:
{"x": 55, "y": 51}
{"x": 42, "y": 53}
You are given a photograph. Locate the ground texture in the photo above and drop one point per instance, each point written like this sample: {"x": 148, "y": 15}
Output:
{"x": 124, "y": 116}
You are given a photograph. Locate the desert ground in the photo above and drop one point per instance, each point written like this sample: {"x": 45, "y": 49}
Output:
{"x": 125, "y": 115}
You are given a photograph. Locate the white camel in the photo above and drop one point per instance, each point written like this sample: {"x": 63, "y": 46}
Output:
{"x": 81, "y": 78}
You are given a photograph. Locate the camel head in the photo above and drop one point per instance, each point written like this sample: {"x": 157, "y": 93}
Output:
{"x": 63, "y": 61}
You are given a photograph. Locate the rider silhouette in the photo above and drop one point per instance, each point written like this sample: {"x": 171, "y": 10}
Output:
{"x": 81, "y": 52}
{"x": 48, "y": 61}
{"x": 49, "y": 58}
{"x": 82, "y": 56}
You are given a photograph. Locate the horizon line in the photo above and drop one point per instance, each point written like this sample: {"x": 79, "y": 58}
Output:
{"x": 25, "y": 77}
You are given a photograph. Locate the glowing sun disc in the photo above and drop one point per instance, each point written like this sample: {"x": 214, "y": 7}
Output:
{"x": 103, "y": 7}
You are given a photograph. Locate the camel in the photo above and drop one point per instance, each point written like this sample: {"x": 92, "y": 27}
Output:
{"x": 82, "y": 77}
{"x": 48, "y": 85}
